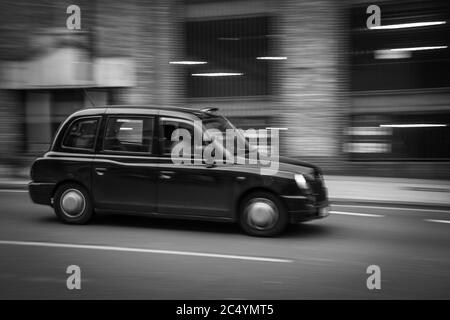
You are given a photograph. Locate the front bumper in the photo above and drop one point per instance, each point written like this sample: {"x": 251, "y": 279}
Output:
{"x": 41, "y": 193}
{"x": 301, "y": 208}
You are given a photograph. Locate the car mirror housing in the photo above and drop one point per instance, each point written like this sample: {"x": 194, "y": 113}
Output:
{"x": 209, "y": 161}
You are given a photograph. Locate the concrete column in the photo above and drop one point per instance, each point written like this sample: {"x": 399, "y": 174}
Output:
{"x": 150, "y": 32}
{"x": 37, "y": 119}
{"x": 312, "y": 87}
{"x": 10, "y": 129}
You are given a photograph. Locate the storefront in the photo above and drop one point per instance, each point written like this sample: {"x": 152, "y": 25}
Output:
{"x": 59, "y": 78}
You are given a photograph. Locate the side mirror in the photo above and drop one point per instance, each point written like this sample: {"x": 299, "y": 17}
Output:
{"x": 209, "y": 161}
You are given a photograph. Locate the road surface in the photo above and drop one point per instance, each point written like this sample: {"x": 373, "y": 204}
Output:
{"x": 129, "y": 257}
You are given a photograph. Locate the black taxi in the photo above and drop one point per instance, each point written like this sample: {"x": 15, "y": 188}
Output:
{"x": 119, "y": 159}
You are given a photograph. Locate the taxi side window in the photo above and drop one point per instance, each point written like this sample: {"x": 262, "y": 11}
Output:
{"x": 129, "y": 134}
{"x": 81, "y": 134}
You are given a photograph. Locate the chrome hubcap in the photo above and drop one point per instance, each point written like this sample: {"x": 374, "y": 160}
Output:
{"x": 73, "y": 203}
{"x": 261, "y": 213}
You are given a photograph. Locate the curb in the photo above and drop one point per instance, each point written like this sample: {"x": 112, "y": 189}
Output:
{"x": 399, "y": 204}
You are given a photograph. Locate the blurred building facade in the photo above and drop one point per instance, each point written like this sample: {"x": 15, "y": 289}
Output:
{"x": 309, "y": 66}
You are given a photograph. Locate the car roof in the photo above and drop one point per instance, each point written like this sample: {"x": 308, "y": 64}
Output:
{"x": 139, "y": 109}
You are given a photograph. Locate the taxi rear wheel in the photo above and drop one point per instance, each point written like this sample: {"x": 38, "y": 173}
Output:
{"x": 73, "y": 204}
{"x": 262, "y": 214}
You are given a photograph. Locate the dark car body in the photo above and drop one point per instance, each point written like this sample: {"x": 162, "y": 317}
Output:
{"x": 150, "y": 183}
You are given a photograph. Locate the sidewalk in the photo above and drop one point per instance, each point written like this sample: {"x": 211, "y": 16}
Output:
{"x": 13, "y": 183}
{"x": 348, "y": 189}
{"x": 388, "y": 190}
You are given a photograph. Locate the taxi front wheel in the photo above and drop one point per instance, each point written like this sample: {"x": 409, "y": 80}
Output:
{"x": 262, "y": 214}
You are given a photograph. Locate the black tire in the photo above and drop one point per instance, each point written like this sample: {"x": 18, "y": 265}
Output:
{"x": 262, "y": 228}
{"x": 68, "y": 195}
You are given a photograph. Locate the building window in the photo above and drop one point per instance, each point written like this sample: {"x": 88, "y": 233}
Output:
{"x": 399, "y": 137}
{"x": 225, "y": 57}
{"x": 400, "y": 56}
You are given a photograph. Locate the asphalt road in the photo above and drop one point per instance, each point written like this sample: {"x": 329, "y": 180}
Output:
{"x": 145, "y": 258}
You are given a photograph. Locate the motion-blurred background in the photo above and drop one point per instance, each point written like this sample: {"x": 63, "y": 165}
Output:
{"x": 349, "y": 102}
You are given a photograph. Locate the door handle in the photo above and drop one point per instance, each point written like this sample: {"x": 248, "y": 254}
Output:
{"x": 100, "y": 171}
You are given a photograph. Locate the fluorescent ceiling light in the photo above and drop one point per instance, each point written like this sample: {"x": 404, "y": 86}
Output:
{"x": 419, "y": 48}
{"x": 388, "y": 54}
{"x": 367, "y": 147}
{"x": 217, "y": 74}
{"x": 408, "y": 25}
{"x": 413, "y": 125}
{"x": 271, "y": 58}
{"x": 368, "y": 131}
{"x": 188, "y": 62}
{"x": 228, "y": 39}
{"x": 276, "y": 128}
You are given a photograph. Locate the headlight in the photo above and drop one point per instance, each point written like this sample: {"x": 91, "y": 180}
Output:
{"x": 301, "y": 181}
